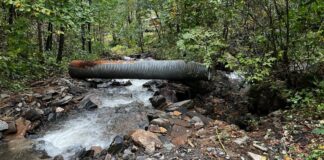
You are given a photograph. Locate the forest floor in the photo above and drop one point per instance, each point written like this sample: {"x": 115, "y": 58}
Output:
{"x": 186, "y": 123}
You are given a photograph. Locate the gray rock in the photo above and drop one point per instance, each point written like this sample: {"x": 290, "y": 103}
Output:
{"x": 260, "y": 146}
{"x": 3, "y": 125}
{"x": 158, "y": 101}
{"x": 50, "y": 117}
{"x": 162, "y": 122}
{"x": 58, "y": 157}
{"x": 199, "y": 125}
{"x": 242, "y": 140}
{"x": 168, "y": 146}
{"x": 141, "y": 158}
{"x": 211, "y": 149}
{"x": 195, "y": 119}
{"x": 63, "y": 101}
{"x": 11, "y": 127}
{"x": 256, "y": 156}
{"x": 128, "y": 154}
{"x": 47, "y": 97}
{"x": 90, "y": 105}
{"x": 116, "y": 146}
{"x": 33, "y": 114}
{"x": 177, "y": 106}
{"x": 3, "y": 96}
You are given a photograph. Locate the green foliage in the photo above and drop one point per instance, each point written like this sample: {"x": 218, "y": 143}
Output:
{"x": 200, "y": 44}
{"x": 319, "y": 131}
{"x": 316, "y": 155}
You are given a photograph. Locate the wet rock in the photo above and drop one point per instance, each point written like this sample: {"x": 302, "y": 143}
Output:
{"x": 161, "y": 122}
{"x": 59, "y": 110}
{"x": 35, "y": 125}
{"x": 116, "y": 146}
{"x": 89, "y": 102}
{"x": 108, "y": 157}
{"x": 179, "y": 106}
{"x": 50, "y": 117}
{"x": 242, "y": 140}
{"x": 158, "y": 101}
{"x": 63, "y": 101}
{"x": 96, "y": 149}
{"x": 1, "y": 135}
{"x": 83, "y": 154}
{"x": 33, "y": 114}
{"x": 11, "y": 128}
{"x": 256, "y": 156}
{"x": 22, "y": 126}
{"x": 3, "y": 126}
{"x": 152, "y": 83}
{"x": 158, "y": 156}
{"x": 119, "y": 83}
{"x": 58, "y": 157}
{"x": 19, "y": 105}
{"x": 146, "y": 139}
{"x": 90, "y": 105}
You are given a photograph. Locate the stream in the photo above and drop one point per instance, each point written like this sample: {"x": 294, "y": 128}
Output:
{"x": 120, "y": 110}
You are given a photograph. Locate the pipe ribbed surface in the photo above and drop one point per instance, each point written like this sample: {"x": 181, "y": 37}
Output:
{"x": 150, "y": 69}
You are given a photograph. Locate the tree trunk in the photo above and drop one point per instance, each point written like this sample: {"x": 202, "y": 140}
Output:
{"x": 40, "y": 37}
{"x": 285, "y": 55}
{"x": 83, "y": 39}
{"x": 89, "y": 38}
{"x": 11, "y": 14}
{"x": 89, "y": 33}
{"x": 61, "y": 46}
{"x": 49, "y": 40}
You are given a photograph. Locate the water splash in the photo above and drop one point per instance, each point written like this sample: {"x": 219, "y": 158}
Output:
{"x": 98, "y": 128}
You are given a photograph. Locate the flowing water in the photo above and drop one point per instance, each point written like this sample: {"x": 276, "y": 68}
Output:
{"x": 120, "y": 109}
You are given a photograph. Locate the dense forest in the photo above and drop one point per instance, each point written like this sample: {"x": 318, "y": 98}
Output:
{"x": 275, "y": 45}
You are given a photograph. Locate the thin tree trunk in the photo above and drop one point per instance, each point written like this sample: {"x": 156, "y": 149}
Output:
{"x": 285, "y": 56}
{"x": 83, "y": 39}
{"x": 40, "y": 36}
{"x": 89, "y": 38}
{"x": 89, "y": 33}
{"x": 49, "y": 40}
{"x": 61, "y": 46}
{"x": 140, "y": 42}
{"x": 11, "y": 14}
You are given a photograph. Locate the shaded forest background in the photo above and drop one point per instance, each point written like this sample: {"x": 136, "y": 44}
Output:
{"x": 272, "y": 43}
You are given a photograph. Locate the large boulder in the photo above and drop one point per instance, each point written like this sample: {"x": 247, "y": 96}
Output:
{"x": 146, "y": 139}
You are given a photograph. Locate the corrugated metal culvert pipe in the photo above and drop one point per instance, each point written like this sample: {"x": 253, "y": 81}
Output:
{"x": 144, "y": 69}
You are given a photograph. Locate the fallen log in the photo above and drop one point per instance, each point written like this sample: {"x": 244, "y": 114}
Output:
{"x": 145, "y": 69}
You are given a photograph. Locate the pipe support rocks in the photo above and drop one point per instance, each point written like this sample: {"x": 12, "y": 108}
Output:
{"x": 144, "y": 69}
